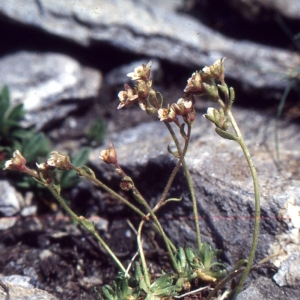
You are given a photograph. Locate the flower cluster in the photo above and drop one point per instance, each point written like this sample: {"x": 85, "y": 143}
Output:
{"x": 200, "y": 83}
{"x": 184, "y": 107}
{"x": 141, "y": 93}
{"x": 203, "y": 82}
{"x": 45, "y": 169}
{"x": 18, "y": 163}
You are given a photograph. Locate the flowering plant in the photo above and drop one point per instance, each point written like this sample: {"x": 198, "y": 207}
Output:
{"x": 188, "y": 264}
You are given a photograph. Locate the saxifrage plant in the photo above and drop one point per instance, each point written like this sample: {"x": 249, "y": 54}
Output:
{"x": 188, "y": 263}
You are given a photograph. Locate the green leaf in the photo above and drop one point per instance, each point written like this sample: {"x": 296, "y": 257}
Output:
{"x": 68, "y": 179}
{"x": 96, "y": 131}
{"x": 160, "y": 99}
{"x": 108, "y": 293}
{"x": 81, "y": 157}
{"x": 16, "y": 113}
{"x": 4, "y": 102}
{"x": 180, "y": 259}
{"x": 175, "y": 153}
{"x": 225, "y": 134}
{"x": 21, "y": 134}
{"x": 38, "y": 145}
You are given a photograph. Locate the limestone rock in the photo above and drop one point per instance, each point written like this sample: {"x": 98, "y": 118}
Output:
{"x": 18, "y": 287}
{"x": 41, "y": 81}
{"x": 158, "y": 31}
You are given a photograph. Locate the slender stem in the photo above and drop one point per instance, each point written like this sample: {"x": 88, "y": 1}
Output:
{"x": 109, "y": 190}
{"x": 133, "y": 207}
{"x": 279, "y": 111}
{"x": 142, "y": 255}
{"x": 223, "y": 282}
{"x": 189, "y": 182}
{"x": 87, "y": 225}
{"x": 233, "y": 273}
{"x": 175, "y": 170}
{"x": 163, "y": 234}
{"x": 241, "y": 141}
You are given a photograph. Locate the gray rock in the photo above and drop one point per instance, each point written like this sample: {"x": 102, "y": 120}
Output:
{"x": 10, "y": 200}
{"x": 289, "y": 272}
{"x": 265, "y": 289}
{"x": 7, "y": 222}
{"x": 251, "y": 9}
{"x": 156, "y": 30}
{"x": 118, "y": 76}
{"x": 18, "y": 287}
{"x": 41, "y": 81}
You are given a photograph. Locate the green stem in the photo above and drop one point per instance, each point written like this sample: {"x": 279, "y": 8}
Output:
{"x": 133, "y": 207}
{"x": 87, "y": 225}
{"x": 241, "y": 141}
{"x": 109, "y": 190}
{"x": 142, "y": 255}
{"x": 175, "y": 170}
{"x": 155, "y": 219}
{"x": 279, "y": 111}
{"x": 189, "y": 182}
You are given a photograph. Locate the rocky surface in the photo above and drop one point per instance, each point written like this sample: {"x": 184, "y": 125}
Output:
{"x": 42, "y": 81}
{"x": 53, "y": 57}
{"x": 253, "y": 10}
{"x": 19, "y": 288}
{"x": 265, "y": 289}
{"x": 158, "y": 31}
{"x": 223, "y": 184}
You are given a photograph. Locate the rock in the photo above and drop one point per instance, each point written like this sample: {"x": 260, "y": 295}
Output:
{"x": 118, "y": 76}
{"x": 155, "y": 30}
{"x": 252, "y": 9}
{"x": 8, "y": 222}
{"x": 288, "y": 240}
{"x": 10, "y": 200}
{"x": 289, "y": 272}
{"x": 42, "y": 81}
{"x": 265, "y": 289}
{"x": 221, "y": 179}
{"x": 13, "y": 203}
{"x": 18, "y": 287}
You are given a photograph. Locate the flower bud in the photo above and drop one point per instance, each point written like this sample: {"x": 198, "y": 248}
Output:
{"x": 143, "y": 88}
{"x": 194, "y": 85}
{"x": 109, "y": 156}
{"x": 216, "y": 70}
{"x": 126, "y": 97}
{"x": 190, "y": 117}
{"x": 141, "y": 72}
{"x": 183, "y": 106}
{"x": 167, "y": 114}
{"x": 59, "y": 160}
{"x": 17, "y": 163}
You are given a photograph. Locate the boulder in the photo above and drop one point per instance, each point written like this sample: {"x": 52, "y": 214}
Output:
{"x": 158, "y": 31}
